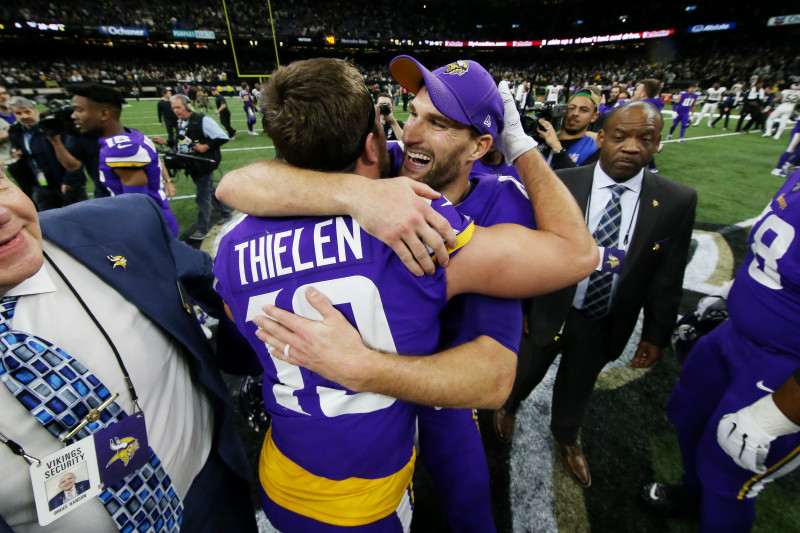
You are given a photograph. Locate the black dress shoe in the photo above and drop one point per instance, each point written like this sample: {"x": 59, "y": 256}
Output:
{"x": 503, "y": 423}
{"x": 671, "y": 500}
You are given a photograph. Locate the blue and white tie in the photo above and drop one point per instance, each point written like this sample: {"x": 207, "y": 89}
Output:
{"x": 596, "y": 302}
{"x": 59, "y": 392}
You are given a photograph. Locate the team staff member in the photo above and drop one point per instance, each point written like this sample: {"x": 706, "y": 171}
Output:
{"x": 754, "y": 98}
{"x": 118, "y": 281}
{"x": 572, "y": 147}
{"x": 54, "y": 186}
{"x": 736, "y": 435}
{"x": 166, "y": 117}
{"x": 643, "y": 223}
{"x": 223, "y": 112}
{"x": 202, "y": 136}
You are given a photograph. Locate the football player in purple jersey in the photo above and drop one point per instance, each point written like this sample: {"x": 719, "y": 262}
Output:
{"x": 791, "y": 156}
{"x": 684, "y": 109}
{"x": 249, "y": 107}
{"x": 482, "y": 337}
{"x": 431, "y": 379}
{"x": 129, "y": 162}
{"x": 648, "y": 91}
{"x": 735, "y": 411}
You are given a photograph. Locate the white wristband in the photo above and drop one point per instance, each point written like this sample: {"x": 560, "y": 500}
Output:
{"x": 769, "y": 418}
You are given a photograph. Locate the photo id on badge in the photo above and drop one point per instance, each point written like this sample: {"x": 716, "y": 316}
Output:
{"x": 65, "y": 480}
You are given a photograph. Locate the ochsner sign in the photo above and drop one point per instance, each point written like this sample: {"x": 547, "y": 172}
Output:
{"x": 122, "y": 30}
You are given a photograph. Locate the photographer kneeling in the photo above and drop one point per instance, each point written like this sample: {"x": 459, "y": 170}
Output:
{"x": 202, "y": 136}
{"x": 572, "y": 147}
{"x": 34, "y": 145}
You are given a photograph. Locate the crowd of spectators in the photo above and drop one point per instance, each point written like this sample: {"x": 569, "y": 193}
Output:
{"x": 771, "y": 64}
{"x": 37, "y": 73}
{"x": 412, "y": 19}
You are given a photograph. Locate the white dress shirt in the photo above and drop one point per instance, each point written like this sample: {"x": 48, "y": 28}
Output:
{"x": 178, "y": 415}
{"x": 629, "y": 203}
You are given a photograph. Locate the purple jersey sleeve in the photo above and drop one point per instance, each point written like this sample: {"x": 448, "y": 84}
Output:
{"x": 492, "y": 200}
{"x": 131, "y": 150}
{"x": 764, "y": 301}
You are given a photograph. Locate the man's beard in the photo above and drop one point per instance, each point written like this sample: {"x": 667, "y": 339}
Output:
{"x": 569, "y": 131}
{"x": 443, "y": 172}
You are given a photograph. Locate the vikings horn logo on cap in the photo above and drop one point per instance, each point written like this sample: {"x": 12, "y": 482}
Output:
{"x": 459, "y": 68}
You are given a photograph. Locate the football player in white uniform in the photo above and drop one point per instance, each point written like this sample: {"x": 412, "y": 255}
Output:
{"x": 713, "y": 98}
{"x": 786, "y": 100}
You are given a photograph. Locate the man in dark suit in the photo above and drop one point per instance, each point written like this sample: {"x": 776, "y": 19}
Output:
{"x": 113, "y": 297}
{"x": 69, "y": 490}
{"x": 643, "y": 225}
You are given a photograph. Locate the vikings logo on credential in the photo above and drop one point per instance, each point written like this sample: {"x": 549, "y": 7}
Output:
{"x": 126, "y": 448}
{"x": 458, "y": 68}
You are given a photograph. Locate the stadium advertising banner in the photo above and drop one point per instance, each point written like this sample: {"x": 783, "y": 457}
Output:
{"x": 194, "y": 34}
{"x": 123, "y": 31}
{"x": 41, "y": 26}
{"x": 720, "y": 26}
{"x": 784, "y": 20}
{"x": 631, "y": 36}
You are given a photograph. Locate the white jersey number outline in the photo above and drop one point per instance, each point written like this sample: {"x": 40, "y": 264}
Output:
{"x": 364, "y": 298}
{"x": 768, "y": 274}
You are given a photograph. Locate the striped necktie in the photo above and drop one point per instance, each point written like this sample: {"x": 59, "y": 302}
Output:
{"x": 596, "y": 302}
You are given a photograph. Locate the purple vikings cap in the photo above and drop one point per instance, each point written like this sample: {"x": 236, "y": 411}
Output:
{"x": 463, "y": 91}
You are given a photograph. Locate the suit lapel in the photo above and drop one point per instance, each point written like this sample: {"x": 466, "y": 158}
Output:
{"x": 646, "y": 221}
{"x": 137, "y": 282}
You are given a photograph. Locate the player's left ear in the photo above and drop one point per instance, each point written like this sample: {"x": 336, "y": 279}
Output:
{"x": 481, "y": 146}
{"x": 601, "y": 137}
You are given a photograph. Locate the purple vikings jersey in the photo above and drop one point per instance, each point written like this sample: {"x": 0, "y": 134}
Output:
{"x": 133, "y": 150}
{"x": 658, "y": 102}
{"x": 336, "y": 456}
{"x": 745, "y": 358}
{"x": 764, "y": 302}
{"x": 491, "y": 200}
{"x": 686, "y": 103}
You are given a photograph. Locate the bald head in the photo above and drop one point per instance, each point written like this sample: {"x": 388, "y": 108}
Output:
{"x": 629, "y": 137}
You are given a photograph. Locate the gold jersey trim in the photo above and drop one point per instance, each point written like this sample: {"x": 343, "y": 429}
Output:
{"x": 349, "y": 502}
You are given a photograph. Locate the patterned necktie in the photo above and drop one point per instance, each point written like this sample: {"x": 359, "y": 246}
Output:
{"x": 59, "y": 392}
{"x": 596, "y": 302}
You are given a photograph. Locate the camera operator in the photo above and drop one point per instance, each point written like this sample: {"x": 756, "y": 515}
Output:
{"x": 16, "y": 169}
{"x": 202, "y": 136}
{"x": 391, "y": 126}
{"x": 79, "y": 153}
{"x": 165, "y": 115}
{"x": 572, "y": 147}
{"x": 54, "y": 186}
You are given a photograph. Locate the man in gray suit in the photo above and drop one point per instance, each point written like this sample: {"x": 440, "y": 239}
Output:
{"x": 643, "y": 225}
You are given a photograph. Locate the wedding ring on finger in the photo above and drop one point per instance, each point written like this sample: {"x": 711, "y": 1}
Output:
{"x": 286, "y": 351}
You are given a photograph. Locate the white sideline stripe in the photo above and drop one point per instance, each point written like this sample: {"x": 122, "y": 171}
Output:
{"x": 708, "y": 136}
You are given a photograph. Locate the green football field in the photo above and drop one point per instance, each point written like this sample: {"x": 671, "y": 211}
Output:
{"x": 626, "y": 437}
